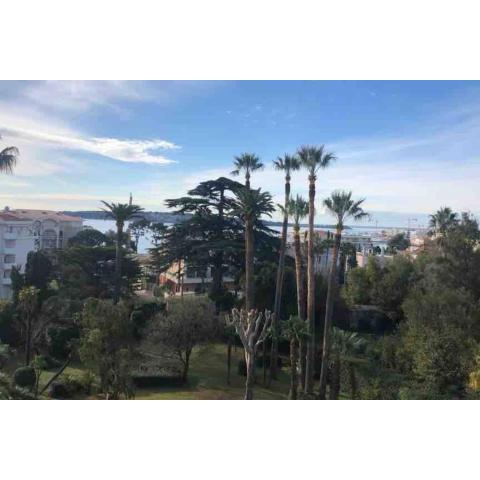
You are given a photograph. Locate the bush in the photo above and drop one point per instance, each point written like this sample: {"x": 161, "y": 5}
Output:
{"x": 87, "y": 381}
{"x": 71, "y": 386}
{"x": 25, "y": 377}
{"x": 48, "y": 361}
{"x": 59, "y": 390}
{"x": 142, "y": 313}
{"x": 59, "y": 340}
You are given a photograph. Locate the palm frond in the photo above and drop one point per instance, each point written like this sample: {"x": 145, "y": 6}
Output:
{"x": 315, "y": 158}
{"x": 341, "y": 205}
{"x": 8, "y": 159}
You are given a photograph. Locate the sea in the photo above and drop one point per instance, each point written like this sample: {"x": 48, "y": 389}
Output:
{"x": 144, "y": 243}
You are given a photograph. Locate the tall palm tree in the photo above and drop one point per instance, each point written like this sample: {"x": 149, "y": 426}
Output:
{"x": 313, "y": 159}
{"x": 8, "y": 159}
{"x": 121, "y": 213}
{"x": 298, "y": 209}
{"x": 340, "y": 205}
{"x": 442, "y": 221}
{"x": 250, "y": 205}
{"x": 287, "y": 164}
{"x": 248, "y": 163}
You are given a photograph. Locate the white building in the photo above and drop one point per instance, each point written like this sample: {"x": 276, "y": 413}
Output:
{"x": 191, "y": 280}
{"x": 23, "y": 231}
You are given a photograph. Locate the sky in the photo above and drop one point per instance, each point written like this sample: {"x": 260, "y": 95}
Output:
{"x": 408, "y": 148}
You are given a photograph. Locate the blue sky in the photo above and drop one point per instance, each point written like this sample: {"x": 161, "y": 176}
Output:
{"x": 408, "y": 147}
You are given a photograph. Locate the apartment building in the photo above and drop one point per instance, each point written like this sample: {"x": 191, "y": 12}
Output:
{"x": 185, "y": 279}
{"x": 23, "y": 231}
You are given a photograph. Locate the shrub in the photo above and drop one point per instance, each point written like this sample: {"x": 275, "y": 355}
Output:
{"x": 25, "y": 377}
{"x": 59, "y": 340}
{"x": 106, "y": 346}
{"x": 48, "y": 362}
{"x": 59, "y": 391}
{"x": 87, "y": 381}
{"x": 9, "y": 391}
{"x": 70, "y": 386}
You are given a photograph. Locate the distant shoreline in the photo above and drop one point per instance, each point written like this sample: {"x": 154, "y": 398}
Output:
{"x": 167, "y": 217}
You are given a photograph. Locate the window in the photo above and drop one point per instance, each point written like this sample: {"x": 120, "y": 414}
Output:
{"x": 6, "y": 273}
{"x": 10, "y": 243}
{"x": 9, "y": 259}
{"x": 49, "y": 239}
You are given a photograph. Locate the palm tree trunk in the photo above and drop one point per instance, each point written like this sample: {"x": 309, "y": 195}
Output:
{"x": 335, "y": 379}
{"x": 229, "y": 358}
{"x": 28, "y": 341}
{"x": 301, "y": 300}
{"x": 248, "y": 265}
{"x": 299, "y": 273}
{"x": 353, "y": 381}
{"x": 302, "y": 353}
{"x": 293, "y": 369}
{"x": 118, "y": 263}
{"x": 264, "y": 361}
{"x": 332, "y": 281}
{"x": 279, "y": 286}
{"x": 310, "y": 367}
{"x": 186, "y": 366}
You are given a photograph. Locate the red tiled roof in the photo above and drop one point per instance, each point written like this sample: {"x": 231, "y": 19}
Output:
{"x": 9, "y": 217}
{"x": 27, "y": 214}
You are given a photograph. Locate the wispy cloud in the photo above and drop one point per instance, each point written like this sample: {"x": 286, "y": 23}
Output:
{"x": 143, "y": 151}
{"x": 83, "y": 95}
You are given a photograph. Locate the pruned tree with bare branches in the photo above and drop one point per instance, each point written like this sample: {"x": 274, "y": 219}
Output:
{"x": 252, "y": 328}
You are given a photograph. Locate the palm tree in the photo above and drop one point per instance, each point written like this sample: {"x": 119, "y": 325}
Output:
{"x": 341, "y": 205}
{"x": 344, "y": 347}
{"x": 298, "y": 209}
{"x": 287, "y": 164}
{"x": 248, "y": 163}
{"x": 121, "y": 213}
{"x": 442, "y": 221}
{"x": 295, "y": 330}
{"x": 313, "y": 159}
{"x": 250, "y": 205}
{"x": 8, "y": 159}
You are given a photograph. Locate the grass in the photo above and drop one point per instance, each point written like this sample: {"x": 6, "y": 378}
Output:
{"x": 207, "y": 379}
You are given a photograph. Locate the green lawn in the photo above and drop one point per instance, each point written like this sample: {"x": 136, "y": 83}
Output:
{"x": 207, "y": 379}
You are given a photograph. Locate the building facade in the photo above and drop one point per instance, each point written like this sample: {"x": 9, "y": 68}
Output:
{"x": 23, "y": 231}
{"x": 182, "y": 278}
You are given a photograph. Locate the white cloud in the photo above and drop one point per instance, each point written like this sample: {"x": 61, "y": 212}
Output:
{"x": 83, "y": 95}
{"x": 137, "y": 151}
